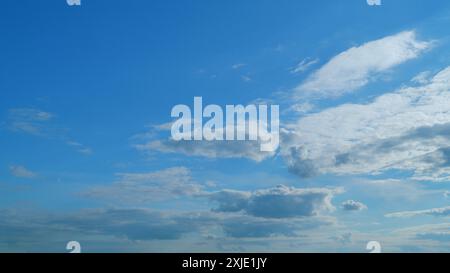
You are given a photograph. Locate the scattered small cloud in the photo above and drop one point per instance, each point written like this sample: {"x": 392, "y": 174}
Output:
{"x": 39, "y": 123}
{"x": 28, "y": 120}
{"x": 21, "y": 172}
{"x": 279, "y": 48}
{"x": 304, "y": 65}
{"x": 351, "y": 205}
{"x": 345, "y": 238}
{"x": 149, "y": 186}
{"x": 238, "y": 66}
{"x": 80, "y": 147}
{"x": 246, "y": 78}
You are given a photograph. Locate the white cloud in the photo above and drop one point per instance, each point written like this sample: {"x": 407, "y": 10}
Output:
{"x": 351, "y": 205}
{"x": 147, "y": 187}
{"x": 214, "y": 149}
{"x": 80, "y": 147}
{"x": 22, "y": 172}
{"x": 256, "y": 227}
{"x": 39, "y": 123}
{"x": 246, "y": 78}
{"x": 345, "y": 238}
{"x": 238, "y": 65}
{"x": 356, "y": 67}
{"x": 408, "y": 129}
{"x": 300, "y": 108}
{"x": 430, "y": 212}
{"x": 28, "y": 120}
{"x": 424, "y": 238}
{"x": 209, "y": 149}
{"x": 279, "y": 202}
{"x": 393, "y": 191}
{"x": 423, "y": 77}
{"x": 304, "y": 65}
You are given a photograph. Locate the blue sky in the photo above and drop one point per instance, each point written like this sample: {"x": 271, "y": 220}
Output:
{"x": 364, "y": 97}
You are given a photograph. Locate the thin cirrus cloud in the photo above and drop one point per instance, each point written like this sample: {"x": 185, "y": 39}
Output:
{"x": 357, "y": 66}
{"x": 238, "y": 66}
{"x": 80, "y": 147}
{"x": 147, "y": 187}
{"x": 21, "y": 172}
{"x": 29, "y": 120}
{"x": 39, "y": 123}
{"x": 427, "y": 238}
{"x": 443, "y": 212}
{"x": 405, "y": 130}
{"x": 304, "y": 65}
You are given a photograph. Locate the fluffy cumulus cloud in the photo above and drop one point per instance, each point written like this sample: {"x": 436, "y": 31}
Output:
{"x": 356, "y": 67}
{"x": 279, "y": 202}
{"x": 444, "y": 212}
{"x": 149, "y": 186}
{"x": 407, "y": 129}
{"x": 352, "y": 205}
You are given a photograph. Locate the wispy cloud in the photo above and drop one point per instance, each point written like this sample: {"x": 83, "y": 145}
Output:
{"x": 304, "y": 65}
{"x": 445, "y": 211}
{"x": 148, "y": 187}
{"x": 356, "y": 67}
{"x": 40, "y": 123}
{"x": 238, "y": 66}
{"x": 28, "y": 120}
{"x": 21, "y": 171}
{"x": 246, "y": 78}
{"x": 80, "y": 147}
